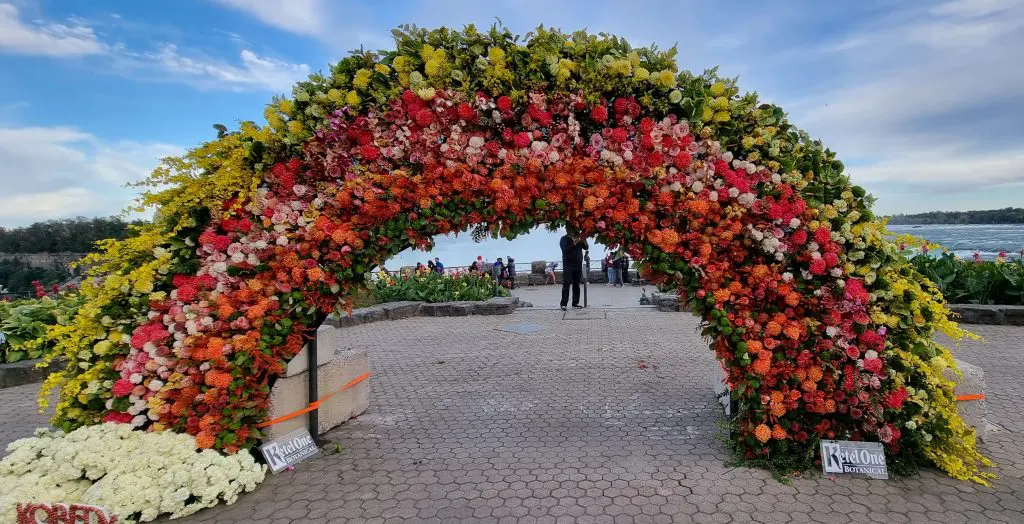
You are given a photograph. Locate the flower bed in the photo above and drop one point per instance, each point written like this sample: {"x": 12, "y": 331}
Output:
{"x": 998, "y": 282}
{"x": 134, "y": 475}
{"x": 24, "y": 322}
{"x": 434, "y": 287}
{"x": 824, "y": 328}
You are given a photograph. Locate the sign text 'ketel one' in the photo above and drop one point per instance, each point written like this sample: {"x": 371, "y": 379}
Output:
{"x": 289, "y": 450}
{"x": 865, "y": 459}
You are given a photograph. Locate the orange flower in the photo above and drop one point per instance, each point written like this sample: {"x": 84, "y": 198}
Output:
{"x": 793, "y": 299}
{"x": 808, "y": 385}
{"x": 762, "y": 366}
{"x": 215, "y": 348}
{"x": 760, "y": 271}
{"x": 815, "y": 373}
{"x": 793, "y": 330}
{"x": 777, "y": 397}
{"x": 830, "y": 406}
{"x": 778, "y": 410}
{"x": 778, "y": 433}
{"x": 217, "y": 379}
{"x": 754, "y": 346}
{"x": 773, "y": 328}
{"x": 763, "y": 433}
{"x": 205, "y": 440}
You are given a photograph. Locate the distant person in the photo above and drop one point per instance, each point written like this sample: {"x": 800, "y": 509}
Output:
{"x": 572, "y": 246}
{"x": 624, "y": 276}
{"x": 617, "y": 269}
{"x": 474, "y": 268}
{"x": 608, "y": 266}
{"x": 438, "y": 266}
{"x": 510, "y": 270}
{"x": 430, "y": 266}
{"x": 549, "y": 273}
{"x": 420, "y": 268}
{"x": 496, "y": 270}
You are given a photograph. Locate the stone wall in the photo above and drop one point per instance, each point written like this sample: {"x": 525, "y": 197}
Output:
{"x": 999, "y": 315}
{"x": 44, "y": 260}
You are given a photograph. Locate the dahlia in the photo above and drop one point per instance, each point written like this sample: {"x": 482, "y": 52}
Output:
{"x": 763, "y": 433}
{"x": 599, "y": 114}
{"x": 896, "y": 398}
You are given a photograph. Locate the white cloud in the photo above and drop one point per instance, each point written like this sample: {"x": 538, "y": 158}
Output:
{"x": 253, "y": 71}
{"x": 50, "y": 39}
{"x": 296, "y": 16}
{"x": 50, "y": 172}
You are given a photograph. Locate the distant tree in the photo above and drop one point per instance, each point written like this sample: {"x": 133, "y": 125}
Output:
{"x": 77, "y": 235}
{"x": 1010, "y": 215}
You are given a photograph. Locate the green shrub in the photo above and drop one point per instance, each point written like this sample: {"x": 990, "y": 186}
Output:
{"x": 974, "y": 282}
{"x": 24, "y": 322}
{"x": 432, "y": 287}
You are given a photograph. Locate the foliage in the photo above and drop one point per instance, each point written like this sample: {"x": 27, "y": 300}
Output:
{"x": 16, "y": 275}
{"x": 434, "y": 287}
{"x": 73, "y": 235}
{"x": 132, "y": 474}
{"x": 1010, "y": 215}
{"x": 24, "y": 323}
{"x": 976, "y": 281}
{"x": 824, "y": 328}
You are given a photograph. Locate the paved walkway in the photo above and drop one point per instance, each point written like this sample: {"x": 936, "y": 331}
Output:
{"x": 599, "y": 296}
{"x": 585, "y": 421}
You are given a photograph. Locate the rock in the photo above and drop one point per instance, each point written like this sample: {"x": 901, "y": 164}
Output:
{"x": 526, "y": 304}
{"x": 461, "y": 308}
{"x": 665, "y": 301}
{"x": 977, "y": 314}
{"x": 537, "y": 267}
{"x": 370, "y": 314}
{"x": 26, "y": 372}
{"x": 498, "y": 306}
{"x": 441, "y": 309}
{"x": 971, "y": 383}
{"x": 1013, "y": 315}
{"x": 290, "y": 394}
{"x": 535, "y": 279}
{"x": 399, "y": 310}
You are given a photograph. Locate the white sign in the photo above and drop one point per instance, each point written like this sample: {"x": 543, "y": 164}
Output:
{"x": 289, "y": 450}
{"x": 866, "y": 459}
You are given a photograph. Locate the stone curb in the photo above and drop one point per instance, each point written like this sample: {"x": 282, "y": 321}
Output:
{"x": 408, "y": 309}
{"x": 992, "y": 315}
{"x": 25, "y": 372}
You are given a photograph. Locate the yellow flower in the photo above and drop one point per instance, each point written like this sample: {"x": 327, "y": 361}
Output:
{"x": 641, "y": 74}
{"x": 664, "y": 79}
{"x": 634, "y": 58}
{"x": 382, "y": 69}
{"x": 721, "y": 116}
{"x": 426, "y": 93}
{"x": 336, "y": 96}
{"x": 402, "y": 64}
{"x": 720, "y": 103}
{"x": 362, "y": 79}
{"x": 747, "y": 141}
{"x": 287, "y": 106}
{"x": 103, "y": 347}
{"x": 622, "y": 67}
{"x": 352, "y": 99}
{"x": 497, "y": 56}
{"x": 434, "y": 67}
{"x": 427, "y": 52}
{"x": 707, "y": 114}
{"x": 295, "y": 127}
{"x": 717, "y": 89}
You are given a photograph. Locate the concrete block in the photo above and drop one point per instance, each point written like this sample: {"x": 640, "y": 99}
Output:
{"x": 26, "y": 372}
{"x": 978, "y": 314}
{"x": 537, "y": 267}
{"x": 972, "y": 382}
{"x": 291, "y": 394}
{"x": 399, "y": 310}
{"x": 326, "y": 344}
{"x": 1013, "y": 315}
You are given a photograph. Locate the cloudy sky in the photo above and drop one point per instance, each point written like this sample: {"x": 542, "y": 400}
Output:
{"x": 921, "y": 99}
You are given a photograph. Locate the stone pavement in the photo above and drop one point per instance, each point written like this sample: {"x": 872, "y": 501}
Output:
{"x": 599, "y": 296}
{"x": 585, "y": 421}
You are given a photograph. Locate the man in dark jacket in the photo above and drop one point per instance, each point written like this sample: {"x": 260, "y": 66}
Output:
{"x": 572, "y": 266}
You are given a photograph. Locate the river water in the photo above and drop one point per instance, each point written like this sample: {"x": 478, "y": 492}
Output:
{"x": 964, "y": 240}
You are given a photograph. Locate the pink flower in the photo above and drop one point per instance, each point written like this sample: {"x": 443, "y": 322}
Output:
{"x": 123, "y": 388}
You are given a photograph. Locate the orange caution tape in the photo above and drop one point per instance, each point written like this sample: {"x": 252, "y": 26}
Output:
{"x": 973, "y": 396}
{"x": 315, "y": 405}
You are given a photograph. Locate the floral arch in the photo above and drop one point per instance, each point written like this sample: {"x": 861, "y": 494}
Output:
{"x": 825, "y": 331}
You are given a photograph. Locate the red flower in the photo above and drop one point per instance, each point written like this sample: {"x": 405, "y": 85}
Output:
{"x": 873, "y": 365}
{"x": 370, "y": 153}
{"x": 822, "y": 235}
{"x": 221, "y": 242}
{"x": 539, "y": 115}
{"x": 424, "y": 117}
{"x": 523, "y": 139}
{"x": 410, "y": 98}
{"x": 599, "y": 114}
{"x": 619, "y": 135}
{"x": 466, "y": 112}
{"x": 122, "y": 388}
{"x": 683, "y": 160}
{"x": 855, "y": 291}
{"x": 118, "y": 417}
{"x": 504, "y": 103}
{"x": 831, "y": 259}
{"x": 187, "y": 292}
{"x": 853, "y": 352}
{"x": 817, "y": 266}
{"x": 646, "y": 125}
{"x": 896, "y": 398}
{"x": 799, "y": 237}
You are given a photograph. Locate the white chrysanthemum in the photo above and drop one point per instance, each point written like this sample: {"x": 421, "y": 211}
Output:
{"x": 131, "y": 473}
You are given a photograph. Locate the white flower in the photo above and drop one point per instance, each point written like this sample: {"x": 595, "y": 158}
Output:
{"x": 794, "y": 222}
{"x": 697, "y": 186}
{"x": 787, "y": 277}
{"x": 869, "y": 354}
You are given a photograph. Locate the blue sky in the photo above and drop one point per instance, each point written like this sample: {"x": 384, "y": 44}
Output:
{"x": 920, "y": 99}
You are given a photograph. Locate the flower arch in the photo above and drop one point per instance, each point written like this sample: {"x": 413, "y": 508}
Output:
{"x": 823, "y": 328}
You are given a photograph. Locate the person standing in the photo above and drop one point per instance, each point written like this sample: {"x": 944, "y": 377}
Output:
{"x": 608, "y": 265}
{"x": 497, "y": 269}
{"x": 572, "y": 266}
{"x": 510, "y": 270}
{"x": 624, "y": 276}
{"x": 438, "y": 266}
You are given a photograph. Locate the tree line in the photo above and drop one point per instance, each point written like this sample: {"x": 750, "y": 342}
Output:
{"x": 1010, "y": 215}
{"x": 77, "y": 235}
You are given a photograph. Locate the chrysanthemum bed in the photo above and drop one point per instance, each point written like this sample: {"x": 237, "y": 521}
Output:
{"x": 823, "y": 328}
